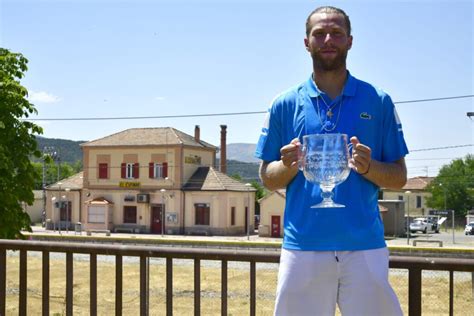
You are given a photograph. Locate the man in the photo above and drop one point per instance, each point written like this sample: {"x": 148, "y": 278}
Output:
{"x": 334, "y": 255}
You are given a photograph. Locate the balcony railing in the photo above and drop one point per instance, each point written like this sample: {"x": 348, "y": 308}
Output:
{"x": 414, "y": 265}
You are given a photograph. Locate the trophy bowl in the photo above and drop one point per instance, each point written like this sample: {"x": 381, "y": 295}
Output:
{"x": 324, "y": 160}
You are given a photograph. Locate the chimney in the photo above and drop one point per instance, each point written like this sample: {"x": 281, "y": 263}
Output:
{"x": 197, "y": 133}
{"x": 223, "y": 162}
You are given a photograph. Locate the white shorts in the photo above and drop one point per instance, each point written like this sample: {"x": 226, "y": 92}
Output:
{"x": 313, "y": 282}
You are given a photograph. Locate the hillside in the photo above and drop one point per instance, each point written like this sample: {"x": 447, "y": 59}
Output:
{"x": 242, "y": 152}
{"x": 69, "y": 150}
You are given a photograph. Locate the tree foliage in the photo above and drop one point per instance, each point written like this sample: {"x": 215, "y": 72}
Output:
{"x": 51, "y": 172}
{"x": 454, "y": 186}
{"x": 17, "y": 145}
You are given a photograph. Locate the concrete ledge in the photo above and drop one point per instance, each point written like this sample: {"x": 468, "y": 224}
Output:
{"x": 439, "y": 242}
{"x": 105, "y": 231}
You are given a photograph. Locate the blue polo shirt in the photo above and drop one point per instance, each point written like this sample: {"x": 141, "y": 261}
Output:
{"x": 361, "y": 110}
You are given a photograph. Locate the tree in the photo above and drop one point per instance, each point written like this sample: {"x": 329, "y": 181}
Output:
{"x": 17, "y": 145}
{"x": 454, "y": 186}
{"x": 261, "y": 191}
{"x": 51, "y": 174}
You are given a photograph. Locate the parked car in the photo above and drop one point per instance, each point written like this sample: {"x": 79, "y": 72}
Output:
{"x": 469, "y": 230}
{"x": 422, "y": 225}
{"x": 434, "y": 222}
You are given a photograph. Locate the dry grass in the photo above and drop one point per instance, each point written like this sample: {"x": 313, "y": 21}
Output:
{"x": 435, "y": 289}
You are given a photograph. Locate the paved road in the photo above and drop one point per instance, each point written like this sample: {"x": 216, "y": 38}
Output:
{"x": 460, "y": 240}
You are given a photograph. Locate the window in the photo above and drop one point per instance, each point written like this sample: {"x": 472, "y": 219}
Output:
{"x": 130, "y": 214}
{"x": 232, "y": 216}
{"x": 96, "y": 214}
{"x": 400, "y": 197}
{"x": 380, "y": 195}
{"x": 418, "y": 201}
{"x": 103, "y": 171}
{"x": 158, "y": 170}
{"x": 202, "y": 212}
{"x": 130, "y": 171}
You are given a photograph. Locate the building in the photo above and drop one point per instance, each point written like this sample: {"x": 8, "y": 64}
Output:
{"x": 272, "y": 208}
{"x": 35, "y": 210}
{"x": 413, "y": 193}
{"x": 154, "y": 180}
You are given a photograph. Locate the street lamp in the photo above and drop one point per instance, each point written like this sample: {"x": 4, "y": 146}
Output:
{"x": 68, "y": 211}
{"x": 60, "y": 200}
{"x": 48, "y": 151}
{"x": 408, "y": 216}
{"x": 446, "y": 209}
{"x": 162, "y": 211}
{"x": 248, "y": 185}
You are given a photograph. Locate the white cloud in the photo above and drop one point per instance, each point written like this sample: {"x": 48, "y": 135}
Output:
{"x": 159, "y": 98}
{"x": 43, "y": 97}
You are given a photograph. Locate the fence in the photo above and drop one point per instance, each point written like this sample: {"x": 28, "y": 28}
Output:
{"x": 414, "y": 265}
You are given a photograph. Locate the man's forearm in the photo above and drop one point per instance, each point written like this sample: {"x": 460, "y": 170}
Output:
{"x": 275, "y": 175}
{"x": 387, "y": 175}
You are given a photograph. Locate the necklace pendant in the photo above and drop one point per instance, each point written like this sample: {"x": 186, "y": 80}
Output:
{"x": 329, "y": 114}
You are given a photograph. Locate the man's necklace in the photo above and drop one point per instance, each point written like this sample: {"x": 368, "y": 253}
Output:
{"x": 329, "y": 114}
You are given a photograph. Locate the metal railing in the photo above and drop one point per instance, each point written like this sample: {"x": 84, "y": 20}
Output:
{"x": 414, "y": 265}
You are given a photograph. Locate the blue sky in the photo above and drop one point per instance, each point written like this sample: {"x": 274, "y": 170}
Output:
{"x": 149, "y": 58}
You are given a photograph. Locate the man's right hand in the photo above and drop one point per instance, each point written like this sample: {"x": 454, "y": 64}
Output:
{"x": 289, "y": 153}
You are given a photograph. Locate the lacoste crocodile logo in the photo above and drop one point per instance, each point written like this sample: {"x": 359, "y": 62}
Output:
{"x": 365, "y": 116}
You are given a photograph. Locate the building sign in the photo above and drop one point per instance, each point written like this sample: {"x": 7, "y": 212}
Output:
{"x": 439, "y": 212}
{"x": 130, "y": 185}
{"x": 171, "y": 217}
{"x": 195, "y": 160}
{"x": 129, "y": 198}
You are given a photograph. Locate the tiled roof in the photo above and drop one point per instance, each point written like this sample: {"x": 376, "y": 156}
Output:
{"x": 209, "y": 179}
{"x": 74, "y": 182}
{"x": 417, "y": 183}
{"x": 280, "y": 192}
{"x": 148, "y": 137}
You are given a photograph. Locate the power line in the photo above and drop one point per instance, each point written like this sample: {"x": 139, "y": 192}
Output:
{"x": 436, "y": 99}
{"x": 437, "y": 148}
{"x": 212, "y": 114}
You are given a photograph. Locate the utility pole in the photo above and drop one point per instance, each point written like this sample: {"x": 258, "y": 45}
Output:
{"x": 248, "y": 185}
{"x": 48, "y": 151}
{"x": 408, "y": 216}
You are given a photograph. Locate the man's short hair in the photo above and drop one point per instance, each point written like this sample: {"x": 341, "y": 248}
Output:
{"x": 329, "y": 9}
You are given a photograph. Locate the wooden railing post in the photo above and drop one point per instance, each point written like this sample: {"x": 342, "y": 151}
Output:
{"x": 197, "y": 287}
{"x": 45, "y": 283}
{"x": 414, "y": 292}
{"x": 3, "y": 280}
{"x": 69, "y": 283}
{"x": 224, "y": 288}
{"x": 23, "y": 283}
{"x": 118, "y": 285}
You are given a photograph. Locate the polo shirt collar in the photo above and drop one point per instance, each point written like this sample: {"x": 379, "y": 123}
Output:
{"x": 349, "y": 87}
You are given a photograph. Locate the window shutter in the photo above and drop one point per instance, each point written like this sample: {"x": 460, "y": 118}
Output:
{"x": 124, "y": 170}
{"x": 151, "y": 170}
{"x": 103, "y": 171}
{"x": 136, "y": 171}
{"x": 165, "y": 169}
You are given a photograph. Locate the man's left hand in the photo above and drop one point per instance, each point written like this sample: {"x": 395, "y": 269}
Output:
{"x": 361, "y": 156}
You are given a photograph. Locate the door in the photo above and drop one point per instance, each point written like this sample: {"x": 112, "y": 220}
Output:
{"x": 157, "y": 217}
{"x": 275, "y": 226}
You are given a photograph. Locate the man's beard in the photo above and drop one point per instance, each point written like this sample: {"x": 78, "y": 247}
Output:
{"x": 325, "y": 64}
